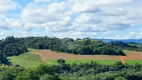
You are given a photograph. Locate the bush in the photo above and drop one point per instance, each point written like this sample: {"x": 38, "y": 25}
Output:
{"x": 61, "y": 61}
{"x": 120, "y": 78}
{"x": 47, "y": 77}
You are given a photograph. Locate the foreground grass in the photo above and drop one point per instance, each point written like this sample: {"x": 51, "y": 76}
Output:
{"x": 132, "y": 62}
{"x": 106, "y": 62}
{"x": 86, "y": 61}
{"x": 26, "y": 60}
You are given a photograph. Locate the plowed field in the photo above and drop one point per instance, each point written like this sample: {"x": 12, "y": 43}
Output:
{"x": 50, "y": 55}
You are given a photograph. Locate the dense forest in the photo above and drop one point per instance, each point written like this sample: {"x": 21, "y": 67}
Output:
{"x": 62, "y": 71}
{"x": 15, "y": 46}
{"x": 79, "y": 46}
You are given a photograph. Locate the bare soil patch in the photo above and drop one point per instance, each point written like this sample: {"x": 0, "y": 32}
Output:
{"x": 134, "y": 56}
{"x": 50, "y": 55}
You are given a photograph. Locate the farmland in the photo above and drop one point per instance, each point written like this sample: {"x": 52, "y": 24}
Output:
{"x": 36, "y": 57}
{"x": 50, "y": 55}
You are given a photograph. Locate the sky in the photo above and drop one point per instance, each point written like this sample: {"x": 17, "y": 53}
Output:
{"x": 101, "y": 19}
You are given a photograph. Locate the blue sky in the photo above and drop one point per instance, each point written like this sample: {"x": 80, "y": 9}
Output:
{"x": 110, "y": 19}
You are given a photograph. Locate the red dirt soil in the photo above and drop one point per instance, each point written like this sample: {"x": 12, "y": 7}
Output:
{"x": 50, "y": 55}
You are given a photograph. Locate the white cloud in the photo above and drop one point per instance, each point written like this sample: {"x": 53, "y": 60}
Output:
{"x": 112, "y": 2}
{"x": 88, "y": 19}
{"x": 9, "y": 23}
{"x": 2, "y": 33}
{"x": 38, "y": 1}
{"x": 80, "y": 16}
{"x": 52, "y": 16}
{"x": 134, "y": 35}
{"x": 6, "y": 5}
{"x": 74, "y": 17}
{"x": 75, "y": 35}
{"x": 84, "y": 7}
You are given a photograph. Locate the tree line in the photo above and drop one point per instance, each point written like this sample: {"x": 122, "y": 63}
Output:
{"x": 84, "y": 46}
{"x": 126, "y": 46}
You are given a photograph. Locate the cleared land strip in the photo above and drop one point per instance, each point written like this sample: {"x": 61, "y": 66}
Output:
{"x": 50, "y": 55}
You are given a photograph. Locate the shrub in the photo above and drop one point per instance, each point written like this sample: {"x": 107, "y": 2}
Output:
{"x": 61, "y": 61}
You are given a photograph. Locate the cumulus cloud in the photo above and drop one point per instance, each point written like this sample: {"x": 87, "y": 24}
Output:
{"x": 6, "y": 5}
{"x": 75, "y": 35}
{"x": 38, "y": 1}
{"x": 112, "y": 2}
{"x": 51, "y": 16}
{"x": 90, "y": 15}
{"x": 74, "y": 17}
{"x": 9, "y": 23}
{"x": 134, "y": 35}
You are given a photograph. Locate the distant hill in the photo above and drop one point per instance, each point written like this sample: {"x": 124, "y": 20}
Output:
{"x": 139, "y": 41}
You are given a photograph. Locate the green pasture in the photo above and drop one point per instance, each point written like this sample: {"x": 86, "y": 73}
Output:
{"x": 26, "y": 60}
{"x": 106, "y": 62}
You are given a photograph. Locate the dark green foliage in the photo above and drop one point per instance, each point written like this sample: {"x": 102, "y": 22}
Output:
{"x": 10, "y": 73}
{"x": 15, "y": 46}
{"x": 120, "y": 78}
{"x": 94, "y": 71}
{"x": 47, "y": 77}
{"x": 87, "y": 71}
{"x": 14, "y": 49}
{"x": 42, "y": 72}
{"x": 35, "y": 73}
{"x": 84, "y": 46}
{"x": 125, "y": 46}
{"x": 3, "y": 58}
{"x": 61, "y": 61}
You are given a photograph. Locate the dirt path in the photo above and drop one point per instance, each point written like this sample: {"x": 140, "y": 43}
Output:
{"x": 49, "y": 55}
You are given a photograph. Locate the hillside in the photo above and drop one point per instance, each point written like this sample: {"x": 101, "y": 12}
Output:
{"x": 35, "y": 57}
{"x": 50, "y": 58}
{"x": 15, "y": 46}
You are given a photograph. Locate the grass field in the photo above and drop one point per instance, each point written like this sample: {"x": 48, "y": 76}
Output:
{"x": 106, "y": 62}
{"x": 28, "y": 60}
{"x": 85, "y": 61}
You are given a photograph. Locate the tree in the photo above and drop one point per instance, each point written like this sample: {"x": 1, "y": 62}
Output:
{"x": 3, "y": 58}
{"x": 61, "y": 61}
{"x": 14, "y": 49}
{"x": 10, "y": 39}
